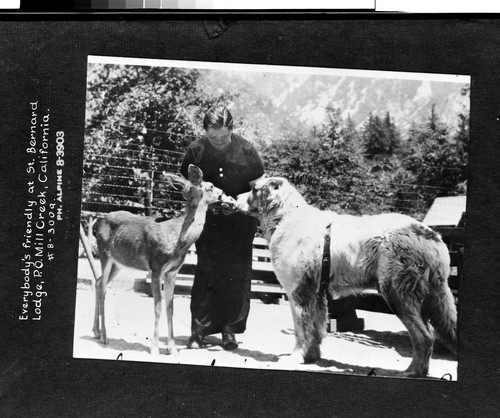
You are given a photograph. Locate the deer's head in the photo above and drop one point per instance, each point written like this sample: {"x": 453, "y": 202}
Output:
{"x": 195, "y": 189}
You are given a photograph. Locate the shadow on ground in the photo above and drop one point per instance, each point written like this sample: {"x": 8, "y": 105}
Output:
{"x": 400, "y": 341}
{"x": 119, "y": 344}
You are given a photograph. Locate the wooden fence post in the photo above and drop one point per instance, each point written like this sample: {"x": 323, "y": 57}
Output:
{"x": 149, "y": 194}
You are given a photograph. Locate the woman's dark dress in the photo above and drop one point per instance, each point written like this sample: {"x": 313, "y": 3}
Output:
{"x": 220, "y": 297}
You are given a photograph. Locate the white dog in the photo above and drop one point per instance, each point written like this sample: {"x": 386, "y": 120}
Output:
{"x": 404, "y": 259}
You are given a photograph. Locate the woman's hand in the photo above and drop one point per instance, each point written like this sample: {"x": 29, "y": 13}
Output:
{"x": 226, "y": 206}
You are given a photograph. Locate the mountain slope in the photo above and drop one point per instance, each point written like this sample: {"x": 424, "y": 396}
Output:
{"x": 282, "y": 98}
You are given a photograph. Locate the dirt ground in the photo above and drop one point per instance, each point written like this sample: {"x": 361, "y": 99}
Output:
{"x": 383, "y": 347}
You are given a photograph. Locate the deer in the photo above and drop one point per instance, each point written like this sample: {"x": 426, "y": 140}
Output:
{"x": 141, "y": 243}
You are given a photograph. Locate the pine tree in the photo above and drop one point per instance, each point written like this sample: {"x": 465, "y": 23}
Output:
{"x": 393, "y": 138}
{"x": 333, "y": 124}
{"x": 435, "y": 131}
{"x": 349, "y": 133}
{"x": 380, "y": 137}
{"x": 432, "y": 123}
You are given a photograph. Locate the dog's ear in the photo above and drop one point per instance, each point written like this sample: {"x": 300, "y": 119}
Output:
{"x": 271, "y": 185}
{"x": 274, "y": 183}
{"x": 265, "y": 188}
{"x": 271, "y": 199}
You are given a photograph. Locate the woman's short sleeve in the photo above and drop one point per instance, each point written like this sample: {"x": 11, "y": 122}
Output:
{"x": 255, "y": 163}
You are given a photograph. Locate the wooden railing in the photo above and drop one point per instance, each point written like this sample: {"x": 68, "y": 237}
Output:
{"x": 264, "y": 282}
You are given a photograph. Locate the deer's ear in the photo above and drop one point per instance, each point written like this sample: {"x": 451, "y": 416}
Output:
{"x": 195, "y": 175}
{"x": 175, "y": 180}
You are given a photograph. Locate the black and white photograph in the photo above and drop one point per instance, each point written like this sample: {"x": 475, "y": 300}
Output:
{"x": 272, "y": 217}
{"x": 249, "y": 215}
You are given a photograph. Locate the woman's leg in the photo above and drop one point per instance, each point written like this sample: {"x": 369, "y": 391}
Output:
{"x": 237, "y": 276}
{"x": 220, "y": 297}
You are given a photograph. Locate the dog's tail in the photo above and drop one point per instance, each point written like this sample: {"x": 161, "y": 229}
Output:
{"x": 442, "y": 313}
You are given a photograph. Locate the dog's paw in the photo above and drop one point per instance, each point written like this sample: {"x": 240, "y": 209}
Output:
{"x": 291, "y": 359}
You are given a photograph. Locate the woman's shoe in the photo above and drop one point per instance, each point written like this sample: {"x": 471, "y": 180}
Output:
{"x": 229, "y": 341}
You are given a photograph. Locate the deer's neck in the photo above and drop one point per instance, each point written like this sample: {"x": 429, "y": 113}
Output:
{"x": 194, "y": 220}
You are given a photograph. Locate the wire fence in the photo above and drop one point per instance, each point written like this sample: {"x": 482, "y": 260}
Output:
{"x": 406, "y": 198}
{"x": 131, "y": 177}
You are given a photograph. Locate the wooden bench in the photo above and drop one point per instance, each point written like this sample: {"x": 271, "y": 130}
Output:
{"x": 264, "y": 284}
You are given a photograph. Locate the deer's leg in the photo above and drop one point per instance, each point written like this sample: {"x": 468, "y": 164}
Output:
{"x": 96, "y": 328}
{"x": 109, "y": 271}
{"x": 156, "y": 290}
{"x": 168, "y": 288}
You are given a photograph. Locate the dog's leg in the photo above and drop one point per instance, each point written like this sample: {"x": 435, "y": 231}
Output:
{"x": 314, "y": 326}
{"x": 309, "y": 312}
{"x": 296, "y": 357}
{"x": 422, "y": 337}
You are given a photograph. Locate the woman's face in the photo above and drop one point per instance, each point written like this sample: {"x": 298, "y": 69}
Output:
{"x": 220, "y": 138}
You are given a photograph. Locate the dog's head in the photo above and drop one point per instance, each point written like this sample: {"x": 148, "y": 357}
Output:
{"x": 264, "y": 195}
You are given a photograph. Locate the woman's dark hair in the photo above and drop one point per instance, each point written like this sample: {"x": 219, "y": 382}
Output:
{"x": 218, "y": 117}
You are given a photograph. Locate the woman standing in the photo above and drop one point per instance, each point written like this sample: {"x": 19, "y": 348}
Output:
{"x": 220, "y": 297}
